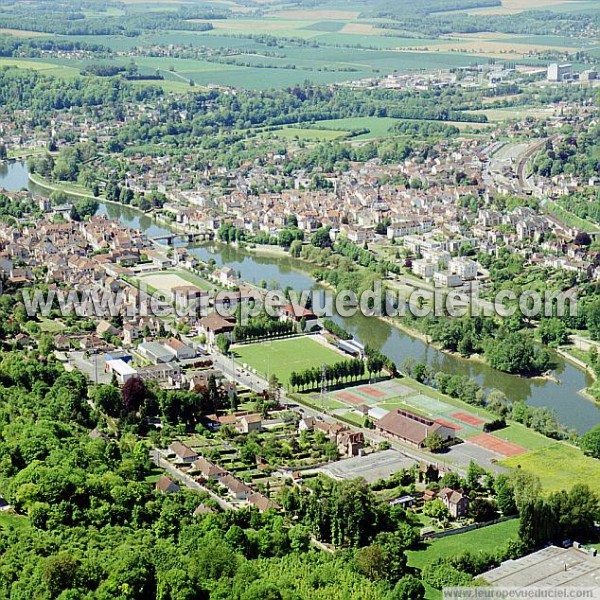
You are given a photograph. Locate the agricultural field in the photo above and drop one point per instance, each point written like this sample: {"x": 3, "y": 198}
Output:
{"x": 282, "y": 357}
{"x": 559, "y": 466}
{"x": 46, "y": 68}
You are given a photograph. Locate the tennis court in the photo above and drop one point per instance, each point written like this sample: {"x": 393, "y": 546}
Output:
{"x": 371, "y": 394}
{"x": 392, "y": 394}
{"x": 490, "y": 442}
{"x": 467, "y": 418}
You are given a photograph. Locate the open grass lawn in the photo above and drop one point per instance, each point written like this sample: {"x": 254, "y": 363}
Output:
{"x": 520, "y": 435}
{"x": 51, "y": 326}
{"x": 559, "y": 466}
{"x": 307, "y": 134}
{"x": 8, "y": 519}
{"x": 282, "y": 357}
{"x": 486, "y": 539}
{"x": 515, "y": 113}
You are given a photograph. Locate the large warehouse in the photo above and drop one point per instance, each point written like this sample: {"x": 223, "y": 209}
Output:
{"x": 551, "y": 567}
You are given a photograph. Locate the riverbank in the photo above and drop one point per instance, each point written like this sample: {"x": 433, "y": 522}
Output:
{"x": 571, "y": 407}
{"x": 69, "y": 190}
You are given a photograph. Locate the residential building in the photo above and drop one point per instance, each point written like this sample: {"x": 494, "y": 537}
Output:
{"x": 166, "y": 485}
{"x": 183, "y": 453}
{"x": 455, "y": 501}
{"x": 208, "y": 470}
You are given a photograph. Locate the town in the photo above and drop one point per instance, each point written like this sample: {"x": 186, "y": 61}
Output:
{"x": 200, "y": 396}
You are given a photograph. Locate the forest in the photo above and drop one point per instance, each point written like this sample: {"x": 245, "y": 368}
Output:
{"x": 95, "y": 526}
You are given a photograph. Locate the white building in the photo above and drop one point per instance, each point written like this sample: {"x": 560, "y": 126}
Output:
{"x": 424, "y": 268}
{"x": 464, "y": 267}
{"x": 447, "y": 279}
{"x": 123, "y": 371}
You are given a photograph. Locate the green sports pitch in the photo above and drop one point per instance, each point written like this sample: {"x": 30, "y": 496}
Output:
{"x": 283, "y": 357}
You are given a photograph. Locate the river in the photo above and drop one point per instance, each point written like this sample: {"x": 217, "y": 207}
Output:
{"x": 564, "y": 398}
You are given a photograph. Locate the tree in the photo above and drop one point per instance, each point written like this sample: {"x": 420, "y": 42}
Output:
{"x": 223, "y": 343}
{"x": 108, "y": 399}
{"x": 474, "y": 474}
{"x": 590, "y": 442}
{"x": 583, "y": 239}
{"x": 370, "y": 561}
{"x": 436, "y": 510}
{"x": 296, "y": 248}
{"x": 133, "y": 394}
{"x": 59, "y": 572}
{"x": 274, "y": 389}
{"x": 434, "y": 443}
{"x": 482, "y": 510}
{"x": 408, "y": 588}
{"x": 505, "y": 495}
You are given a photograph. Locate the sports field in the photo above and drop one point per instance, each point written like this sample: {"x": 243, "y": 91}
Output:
{"x": 165, "y": 281}
{"x": 393, "y": 394}
{"x": 282, "y": 357}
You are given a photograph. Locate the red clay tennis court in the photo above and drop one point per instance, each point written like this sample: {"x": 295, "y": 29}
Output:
{"x": 455, "y": 426}
{"x": 467, "y": 418}
{"x": 489, "y": 442}
{"x": 351, "y": 398}
{"x": 374, "y": 393}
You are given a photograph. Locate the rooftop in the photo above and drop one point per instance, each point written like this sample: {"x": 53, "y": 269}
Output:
{"x": 551, "y": 567}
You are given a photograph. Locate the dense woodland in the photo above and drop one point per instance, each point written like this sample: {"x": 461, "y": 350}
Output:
{"x": 96, "y": 527}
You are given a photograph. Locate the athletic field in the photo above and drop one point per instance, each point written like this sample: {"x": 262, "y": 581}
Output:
{"x": 282, "y": 357}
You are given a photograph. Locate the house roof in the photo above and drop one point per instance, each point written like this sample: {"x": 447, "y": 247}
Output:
{"x": 261, "y": 502}
{"x": 234, "y": 485}
{"x": 452, "y": 496}
{"x": 182, "y": 451}
{"x": 216, "y": 323}
{"x": 296, "y": 311}
{"x": 253, "y": 418}
{"x": 408, "y": 425}
{"x": 165, "y": 484}
{"x": 207, "y": 468}
{"x": 202, "y": 509}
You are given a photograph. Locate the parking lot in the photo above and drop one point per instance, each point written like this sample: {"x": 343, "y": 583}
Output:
{"x": 372, "y": 467}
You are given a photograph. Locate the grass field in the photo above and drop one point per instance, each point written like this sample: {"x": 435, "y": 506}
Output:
{"x": 515, "y": 113}
{"x": 522, "y": 436}
{"x": 282, "y": 357}
{"x": 47, "y": 68}
{"x": 486, "y": 539}
{"x": 569, "y": 218}
{"x": 291, "y": 133}
{"x": 51, "y": 326}
{"x": 559, "y": 467}
{"x": 12, "y": 520}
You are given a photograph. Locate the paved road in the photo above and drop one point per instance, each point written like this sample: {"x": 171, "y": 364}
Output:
{"x": 457, "y": 458}
{"x": 158, "y": 459}
{"x": 92, "y": 366}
